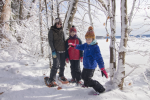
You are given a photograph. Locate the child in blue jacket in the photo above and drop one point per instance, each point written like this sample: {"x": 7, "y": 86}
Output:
{"x": 91, "y": 57}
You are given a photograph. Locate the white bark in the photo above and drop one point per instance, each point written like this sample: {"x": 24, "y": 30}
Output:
{"x": 69, "y": 16}
{"x": 4, "y": 20}
{"x": 120, "y": 74}
{"x": 131, "y": 13}
{"x": 89, "y": 12}
{"x": 40, "y": 23}
{"x": 112, "y": 15}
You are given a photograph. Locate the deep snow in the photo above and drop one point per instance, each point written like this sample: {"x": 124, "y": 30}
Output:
{"x": 24, "y": 80}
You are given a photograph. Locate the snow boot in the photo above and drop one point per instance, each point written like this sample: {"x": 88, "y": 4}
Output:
{"x": 72, "y": 81}
{"x": 63, "y": 80}
{"x": 50, "y": 83}
{"x": 79, "y": 83}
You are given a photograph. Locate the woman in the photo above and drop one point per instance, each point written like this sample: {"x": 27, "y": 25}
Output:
{"x": 57, "y": 44}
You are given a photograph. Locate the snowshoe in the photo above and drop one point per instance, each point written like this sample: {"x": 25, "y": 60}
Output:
{"x": 63, "y": 80}
{"x": 49, "y": 83}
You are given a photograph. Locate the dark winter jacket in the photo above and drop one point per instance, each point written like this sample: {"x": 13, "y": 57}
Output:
{"x": 56, "y": 39}
{"x": 91, "y": 56}
{"x": 71, "y": 52}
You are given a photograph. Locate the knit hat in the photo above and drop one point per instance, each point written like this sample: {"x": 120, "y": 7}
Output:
{"x": 72, "y": 29}
{"x": 90, "y": 33}
{"x": 57, "y": 20}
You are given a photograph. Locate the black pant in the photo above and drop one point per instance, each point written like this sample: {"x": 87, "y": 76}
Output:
{"x": 87, "y": 75}
{"x": 58, "y": 63}
{"x": 75, "y": 70}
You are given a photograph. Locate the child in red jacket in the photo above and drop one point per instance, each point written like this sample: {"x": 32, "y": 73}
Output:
{"x": 74, "y": 56}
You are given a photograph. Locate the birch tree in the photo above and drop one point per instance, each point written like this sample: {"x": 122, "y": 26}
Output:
{"x": 4, "y": 19}
{"x": 40, "y": 23}
{"x": 112, "y": 16}
{"x": 89, "y": 12}
{"x": 21, "y": 10}
{"x": 69, "y": 16}
{"x": 120, "y": 75}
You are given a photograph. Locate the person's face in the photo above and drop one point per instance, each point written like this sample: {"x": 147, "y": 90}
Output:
{"x": 58, "y": 25}
{"x": 89, "y": 40}
{"x": 72, "y": 33}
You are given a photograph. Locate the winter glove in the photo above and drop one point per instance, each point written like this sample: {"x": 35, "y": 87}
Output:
{"x": 72, "y": 44}
{"x": 54, "y": 54}
{"x": 103, "y": 71}
{"x": 67, "y": 60}
{"x": 81, "y": 59}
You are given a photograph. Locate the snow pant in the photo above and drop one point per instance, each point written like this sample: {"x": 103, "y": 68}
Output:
{"x": 58, "y": 63}
{"x": 75, "y": 70}
{"x": 87, "y": 75}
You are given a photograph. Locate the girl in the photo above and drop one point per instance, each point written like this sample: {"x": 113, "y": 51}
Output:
{"x": 91, "y": 57}
{"x": 57, "y": 44}
{"x": 74, "y": 56}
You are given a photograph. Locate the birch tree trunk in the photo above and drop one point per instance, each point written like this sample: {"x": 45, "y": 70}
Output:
{"x": 112, "y": 15}
{"x": 57, "y": 8}
{"x": 4, "y": 20}
{"x": 69, "y": 16}
{"x": 21, "y": 10}
{"x": 52, "y": 8}
{"x": 40, "y": 23}
{"x": 28, "y": 16}
{"x": 90, "y": 17}
{"x": 120, "y": 75}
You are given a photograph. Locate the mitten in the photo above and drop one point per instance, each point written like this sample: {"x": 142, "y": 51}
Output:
{"x": 67, "y": 60}
{"x": 81, "y": 59}
{"x": 103, "y": 71}
{"x": 54, "y": 54}
{"x": 72, "y": 44}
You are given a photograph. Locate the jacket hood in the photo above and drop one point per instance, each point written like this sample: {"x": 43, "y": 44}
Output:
{"x": 93, "y": 42}
{"x": 54, "y": 28}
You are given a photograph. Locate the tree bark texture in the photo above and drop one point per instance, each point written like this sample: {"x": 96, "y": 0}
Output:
{"x": 40, "y": 23}
{"x": 123, "y": 43}
{"x": 70, "y": 15}
{"x": 90, "y": 17}
{"x": 4, "y": 19}
{"x": 112, "y": 15}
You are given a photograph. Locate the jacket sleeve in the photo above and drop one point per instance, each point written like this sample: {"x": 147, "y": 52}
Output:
{"x": 81, "y": 52}
{"x": 50, "y": 39}
{"x": 66, "y": 45}
{"x": 97, "y": 55}
{"x": 80, "y": 46}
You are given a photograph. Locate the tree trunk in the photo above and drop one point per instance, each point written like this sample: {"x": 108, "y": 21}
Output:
{"x": 40, "y": 23}
{"x": 21, "y": 10}
{"x": 52, "y": 10}
{"x": 57, "y": 8}
{"x": 28, "y": 16}
{"x": 46, "y": 14}
{"x": 112, "y": 15}
{"x": 4, "y": 20}
{"x": 119, "y": 79}
{"x": 69, "y": 16}
{"x": 90, "y": 17}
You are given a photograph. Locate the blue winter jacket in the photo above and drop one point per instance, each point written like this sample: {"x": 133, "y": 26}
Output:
{"x": 91, "y": 56}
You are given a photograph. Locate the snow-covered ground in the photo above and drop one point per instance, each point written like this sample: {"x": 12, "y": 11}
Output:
{"x": 24, "y": 80}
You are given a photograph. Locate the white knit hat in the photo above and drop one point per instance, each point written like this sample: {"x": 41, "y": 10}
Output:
{"x": 58, "y": 20}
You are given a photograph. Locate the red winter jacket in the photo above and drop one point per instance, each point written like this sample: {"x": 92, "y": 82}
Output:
{"x": 71, "y": 52}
